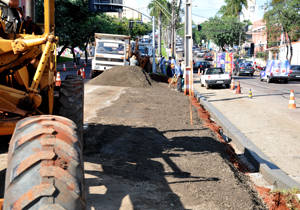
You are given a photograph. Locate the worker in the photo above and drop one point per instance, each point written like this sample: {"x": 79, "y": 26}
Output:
{"x": 179, "y": 75}
{"x": 77, "y": 58}
{"x": 169, "y": 69}
{"x": 162, "y": 65}
{"x": 133, "y": 61}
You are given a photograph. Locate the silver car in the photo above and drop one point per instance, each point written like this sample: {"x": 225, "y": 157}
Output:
{"x": 295, "y": 72}
{"x": 200, "y": 54}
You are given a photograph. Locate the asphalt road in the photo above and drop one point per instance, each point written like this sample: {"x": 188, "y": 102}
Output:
{"x": 265, "y": 119}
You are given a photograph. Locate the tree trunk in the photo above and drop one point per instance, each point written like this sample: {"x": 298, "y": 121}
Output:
{"x": 159, "y": 35}
{"x": 74, "y": 58}
{"x": 291, "y": 50}
{"x": 86, "y": 55}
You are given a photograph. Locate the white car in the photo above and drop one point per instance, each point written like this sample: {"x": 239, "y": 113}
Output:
{"x": 215, "y": 77}
{"x": 200, "y": 54}
{"x": 179, "y": 49}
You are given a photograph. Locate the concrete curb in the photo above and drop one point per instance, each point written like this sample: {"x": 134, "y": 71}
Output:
{"x": 271, "y": 173}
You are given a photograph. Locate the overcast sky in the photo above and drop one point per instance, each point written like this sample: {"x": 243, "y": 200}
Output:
{"x": 204, "y": 8}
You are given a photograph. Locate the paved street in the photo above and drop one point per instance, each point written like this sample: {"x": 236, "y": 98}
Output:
{"x": 264, "y": 119}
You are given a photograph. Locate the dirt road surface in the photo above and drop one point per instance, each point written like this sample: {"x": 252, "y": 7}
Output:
{"x": 141, "y": 152}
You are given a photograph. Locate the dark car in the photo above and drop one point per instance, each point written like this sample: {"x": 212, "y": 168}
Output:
{"x": 238, "y": 61}
{"x": 244, "y": 68}
{"x": 295, "y": 72}
{"x": 202, "y": 65}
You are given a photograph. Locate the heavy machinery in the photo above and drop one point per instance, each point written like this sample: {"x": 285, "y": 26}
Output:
{"x": 45, "y": 165}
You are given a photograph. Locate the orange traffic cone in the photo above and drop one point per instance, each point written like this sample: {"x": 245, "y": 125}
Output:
{"x": 292, "y": 104}
{"x": 58, "y": 80}
{"x": 238, "y": 88}
{"x": 232, "y": 86}
{"x": 83, "y": 73}
{"x": 79, "y": 72}
{"x": 64, "y": 67}
{"x": 91, "y": 74}
{"x": 75, "y": 67}
{"x": 198, "y": 71}
{"x": 84, "y": 64}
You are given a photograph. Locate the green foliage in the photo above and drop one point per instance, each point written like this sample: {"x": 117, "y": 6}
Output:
{"x": 63, "y": 59}
{"x": 261, "y": 55}
{"x": 283, "y": 17}
{"x": 223, "y": 30}
{"x": 233, "y": 8}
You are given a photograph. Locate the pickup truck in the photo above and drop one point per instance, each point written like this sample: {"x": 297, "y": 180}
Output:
{"x": 215, "y": 77}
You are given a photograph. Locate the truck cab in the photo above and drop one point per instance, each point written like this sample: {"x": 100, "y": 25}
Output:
{"x": 110, "y": 51}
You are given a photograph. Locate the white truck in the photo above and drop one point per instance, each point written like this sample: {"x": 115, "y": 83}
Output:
{"x": 110, "y": 51}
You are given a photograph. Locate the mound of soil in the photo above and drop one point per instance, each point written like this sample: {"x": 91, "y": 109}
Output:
{"x": 124, "y": 76}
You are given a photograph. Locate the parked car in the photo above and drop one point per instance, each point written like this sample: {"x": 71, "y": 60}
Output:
{"x": 200, "y": 54}
{"x": 179, "y": 49}
{"x": 276, "y": 70}
{"x": 208, "y": 56}
{"x": 244, "y": 68}
{"x": 196, "y": 51}
{"x": 202, "y": 65}
{"x": 215, "y": 77}
{"x": 295, "y": 72}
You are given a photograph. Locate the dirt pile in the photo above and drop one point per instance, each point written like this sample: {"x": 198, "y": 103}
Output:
{"x": 124, "y": 76}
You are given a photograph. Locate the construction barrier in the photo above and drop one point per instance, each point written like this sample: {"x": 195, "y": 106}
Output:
{"x": 292, "y": 104}
{"x": 58, "y": 80}
{"x": 238, "y": 88}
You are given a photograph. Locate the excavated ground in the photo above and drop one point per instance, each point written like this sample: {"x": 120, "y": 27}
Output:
{"x": 143, "y": 152}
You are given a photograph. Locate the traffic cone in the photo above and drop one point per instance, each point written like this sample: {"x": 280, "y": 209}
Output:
{"x": 83, "y": 73}
{"x": 64, "y": 67}
{"x": 292, "y": 104}
{"x": 75, "y": 67}
{"x": 58, "y": 80}
{"x": 79, "y": 72}
{"x": 232, "y": 86}
{"x": 238, "y": 88}
{"x": 91, "y": 74}
{"x": 250, "y": 93}
{"x": 198, "y": 71}
{"x": 84, "y": 64}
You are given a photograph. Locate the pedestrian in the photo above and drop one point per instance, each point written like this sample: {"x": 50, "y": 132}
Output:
{"x": 162, "y": 64}
{"x": 77, "y": 58}
{"x": 169, "y": 70}
{"x": 133, "y": 61}
{"x": 179, "y": 75}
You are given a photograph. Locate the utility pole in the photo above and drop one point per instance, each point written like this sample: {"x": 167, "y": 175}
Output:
{"x": 173, "y": 27}
{"x": 159, "y": 35}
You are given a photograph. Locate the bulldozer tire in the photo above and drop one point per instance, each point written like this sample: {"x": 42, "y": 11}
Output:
{"x": 44, "y": 169}
{"x": 70, "y": 102}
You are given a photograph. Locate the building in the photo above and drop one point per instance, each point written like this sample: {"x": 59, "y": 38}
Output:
{"x": 259, "y": 36}
{"x": 251, "y": 12}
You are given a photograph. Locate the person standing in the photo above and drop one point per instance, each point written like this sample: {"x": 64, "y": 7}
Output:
{"x": 77, "y": 58}
{"x": 179, "y": 75}
{"x": 133, "y": 61}
{"x": 169, "y": 70}
{"x": 162, "y": 65}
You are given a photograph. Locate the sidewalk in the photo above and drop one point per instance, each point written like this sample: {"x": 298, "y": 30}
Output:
{"x": 273, "y": 129}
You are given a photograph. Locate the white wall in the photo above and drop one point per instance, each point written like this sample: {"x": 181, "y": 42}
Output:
{"x": 296, "y": 54}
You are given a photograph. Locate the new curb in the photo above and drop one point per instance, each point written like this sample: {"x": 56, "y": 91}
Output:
{"x": 271, "y": 172}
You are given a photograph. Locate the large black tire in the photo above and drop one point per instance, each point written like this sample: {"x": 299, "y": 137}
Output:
{"x": 71, "y": 101}
{"x": 44, "y": 169}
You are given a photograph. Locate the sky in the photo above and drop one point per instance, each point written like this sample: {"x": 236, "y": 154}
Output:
{"x": 203, "y": 8}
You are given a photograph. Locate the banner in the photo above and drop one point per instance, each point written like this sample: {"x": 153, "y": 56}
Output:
{"x": 224, "y": 60}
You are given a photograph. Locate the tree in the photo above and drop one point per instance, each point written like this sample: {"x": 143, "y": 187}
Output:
{"x": 224, "y": 30}
{"x": 233, "y": 8}
{"x": 157, "y": 12}
{"x": 282, "y": 17}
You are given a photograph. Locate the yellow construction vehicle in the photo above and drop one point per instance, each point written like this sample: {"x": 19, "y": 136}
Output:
{"x": 45, "y": 165}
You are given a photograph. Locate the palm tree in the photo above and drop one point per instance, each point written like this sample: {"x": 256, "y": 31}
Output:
{"x": 156, "y": 10}
{"x": 233, "y": 7}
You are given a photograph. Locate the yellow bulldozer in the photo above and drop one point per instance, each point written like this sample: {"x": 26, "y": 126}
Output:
{"x": 45, "y": 165}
